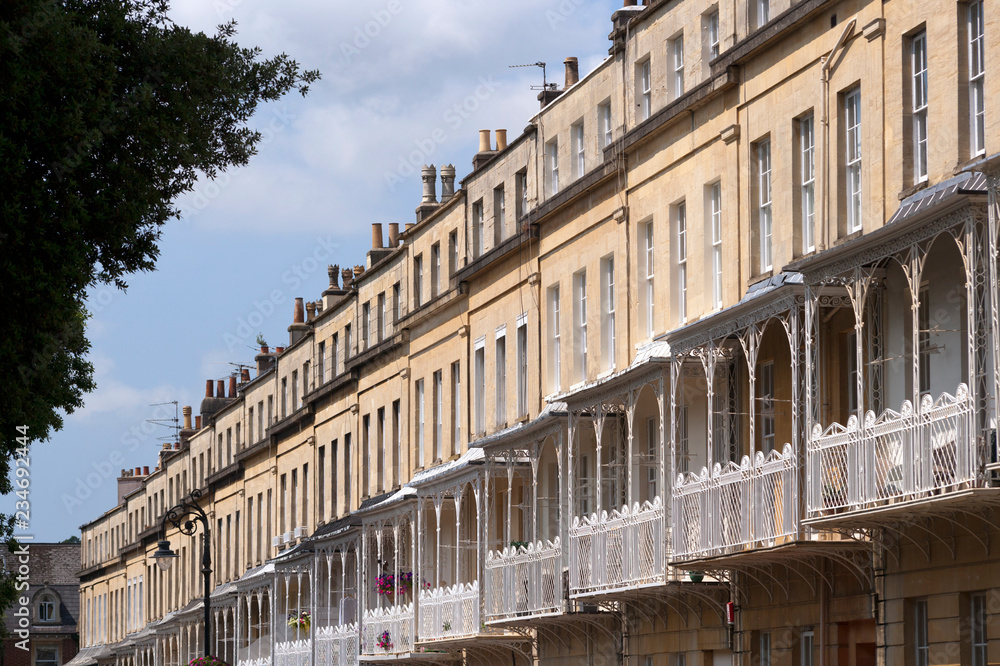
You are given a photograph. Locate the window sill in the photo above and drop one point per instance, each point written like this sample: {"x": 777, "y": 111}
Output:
{"x": 849, "y": 237}
{"x": 910, "y": 191}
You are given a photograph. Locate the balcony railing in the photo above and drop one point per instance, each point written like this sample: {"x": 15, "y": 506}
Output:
{"x": 337, "y": 646}
{"x": 522, "y": 582}
{"x": 449, "y": 612}
{"x": 738, "y": 507}
{"x": 392, "y": 626}
{"x": 894, "y": 456}
{"x": 261, "y": 661}
{"x": 625, "y": 549}
{"x": 293, "y": 653}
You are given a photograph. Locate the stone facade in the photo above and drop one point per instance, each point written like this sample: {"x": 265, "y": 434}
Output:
{"x": 53, "y": 608}
{"x": 701, "y": 368}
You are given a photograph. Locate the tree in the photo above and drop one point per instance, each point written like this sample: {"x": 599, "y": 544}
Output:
{"x": 109, "y": 112}
{"x": 72, "y": 539}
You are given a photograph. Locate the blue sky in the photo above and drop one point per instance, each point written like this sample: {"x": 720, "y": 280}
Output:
{"x": 394, "y": 71}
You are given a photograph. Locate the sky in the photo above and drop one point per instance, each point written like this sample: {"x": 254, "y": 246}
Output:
{"x": 404, "y": 83}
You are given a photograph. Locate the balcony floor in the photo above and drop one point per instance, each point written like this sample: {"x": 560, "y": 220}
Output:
{"x": 932, "y": 506}
{"x": 461, "y": 642}
{"x": 783, "y": 553}
{"x": 409, "y": 658}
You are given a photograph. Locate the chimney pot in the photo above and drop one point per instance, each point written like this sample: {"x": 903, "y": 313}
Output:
{"x": 145, "y": 470}
{"x": 484, "y": 141}
{"x": 447, "y": 182}
{"x": 297, "y": 315}
{"x": 348, "y": 275}
{"x": 410, "y": 225}
{"x": 429, "y": 177}
{"x": 629, "y": 3}
{"x": 245, "y": 375}
{"x": 208, "y": 388}
{"x": 187, "y": 417}
{"x": 197, "y": 422}
{"x": 358, "y": 270}
{"x": 232, "y": 386}
{"x": 501, "y": 139}
{"x": 138, "y": 471}
{"x": 377, "y": 233}
{"x": 310, "y": 311}
{"x": 177, "y": 446}
{"x": 279, "y": 350}
{"x": 394, "y": 226}
{"x": 220, "y": 388}
{"x": 572, "y": 71}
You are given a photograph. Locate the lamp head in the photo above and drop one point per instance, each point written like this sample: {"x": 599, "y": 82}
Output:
{"x": 164, "y": 556}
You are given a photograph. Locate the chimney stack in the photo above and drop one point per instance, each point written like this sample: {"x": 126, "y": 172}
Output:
{"x": 447, "y": 182}
{"x": 208, "y": 388}
{"x": 428, "y": 203}
{"x": 298, "y": 327}
{"x": 377, "y": 234}
{"x": 232, "y": 386}
{"x": 394, "y": 227}
{"x": 501, "y": 139}
{"x": 485, "y": 153}
{"x": 265, "y": 361}
{"x": 186, "y": 410}
{"x": 428, "y": 175}
{"x": 572, "y": 71}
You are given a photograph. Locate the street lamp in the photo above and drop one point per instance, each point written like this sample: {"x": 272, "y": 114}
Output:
{"x": 183, "y": 517}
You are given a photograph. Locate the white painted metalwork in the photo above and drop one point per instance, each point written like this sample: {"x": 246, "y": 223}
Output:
{"x": 397, "y": 621}
{"x": 449, "y": 612}
{"x": 337, "y": 646}
{"x": 623, "y": 550}
{"x": 894, "y": 456}
{"x": 293, "y": 653}
{"x": 522, "y": 582}
{"x": 750, "y": 505}
{"x": 263, "y": 661}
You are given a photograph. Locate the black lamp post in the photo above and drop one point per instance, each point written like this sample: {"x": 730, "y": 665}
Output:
{"x": 183, "y": 517}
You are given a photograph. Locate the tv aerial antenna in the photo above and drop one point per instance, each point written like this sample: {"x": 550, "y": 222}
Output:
{"x": 545, "y": 83}
{"x": 174, "y": 423}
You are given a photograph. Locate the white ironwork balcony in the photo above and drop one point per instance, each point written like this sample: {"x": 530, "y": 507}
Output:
{"x": 449, "y": 612}
{"x": 337, "y": 646}
{"x": 392, "y": 625}
{"x": 262, "y": 661}
{"x": 893, "y": 456}
{"x": 524, "y": 582}
{"x": 293, "y": 653}
{"x": 623, "y": 550}
{"x": 738, "y": 507}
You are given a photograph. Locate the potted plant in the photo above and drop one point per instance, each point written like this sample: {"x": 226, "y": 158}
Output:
{"x": 384, "y": 641}
{"x": 299, "y": 621}
{"x": 262, "y": 343}
{"x": 446, "y": 627}
{"x": 386, "y": 584}
{"x": 210, "y": 660}
{"x": 696, "y": 576}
